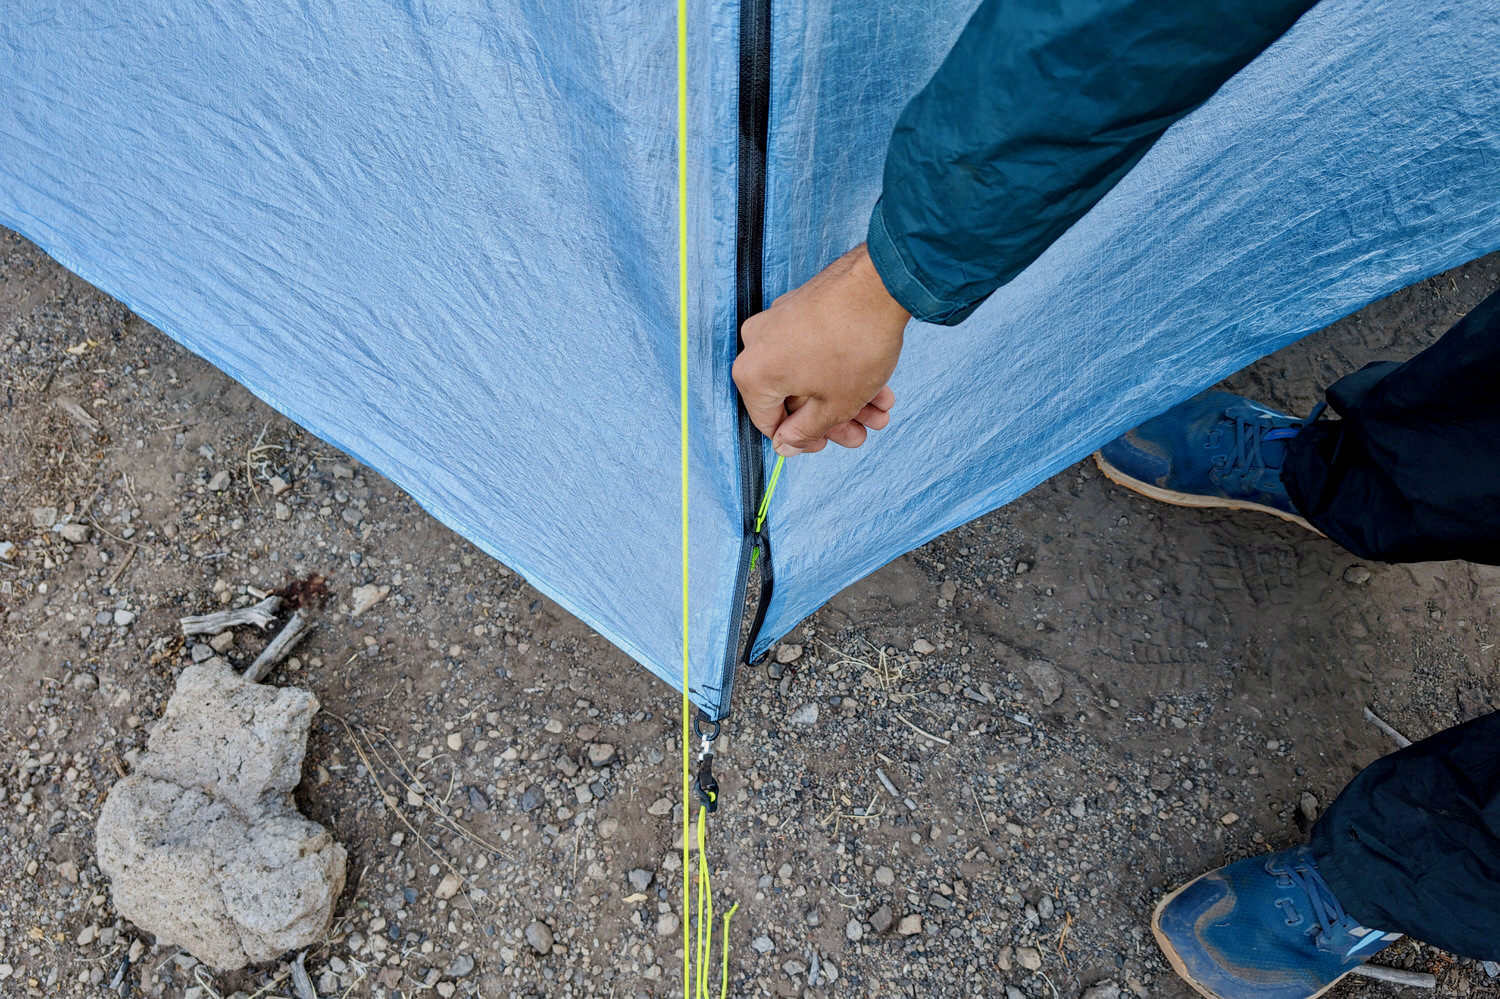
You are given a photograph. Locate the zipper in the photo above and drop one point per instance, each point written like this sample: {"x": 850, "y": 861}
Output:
{"x": 750, "y": 228}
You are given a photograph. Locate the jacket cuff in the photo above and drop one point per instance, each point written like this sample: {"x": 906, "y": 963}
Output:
{"x": 903, "y": 285}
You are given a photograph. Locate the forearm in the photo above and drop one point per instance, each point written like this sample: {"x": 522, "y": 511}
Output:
{"x": 1040, "y": 108}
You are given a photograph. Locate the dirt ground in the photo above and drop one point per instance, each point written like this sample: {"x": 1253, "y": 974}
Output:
{"x": 1087, "y": 698}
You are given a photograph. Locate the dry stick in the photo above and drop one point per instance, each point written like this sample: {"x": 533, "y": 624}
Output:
{"x": 922, "y": 732}
{"x": 911, "y": 806}
{"x": 395, "y": 809}
{"x": 207, "y": 983}
{"x": 268, "y": 986}
{"x": 78, "y": 414}
{"x": 102, "y": 530}
{"x": 261, "y": 615}
{"x": 1380, "y": 723}
{"x": 1396, "y": 976}
{"x": 415, "y": 787}
{"x": 300, "y": 982}
{"x": 295, "y": 629}
{"x": 982, "y": 817}
{"x": 119, "y": 569}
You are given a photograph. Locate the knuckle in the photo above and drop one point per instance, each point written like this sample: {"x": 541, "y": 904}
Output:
{"x": 746, "y": 370}
{"x": 799, "y": 437}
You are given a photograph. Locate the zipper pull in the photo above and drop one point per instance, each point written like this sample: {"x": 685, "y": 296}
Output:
{"x": 706, "y": 786}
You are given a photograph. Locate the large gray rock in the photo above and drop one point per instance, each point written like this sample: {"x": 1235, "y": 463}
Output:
{"x": 203, "y": 845}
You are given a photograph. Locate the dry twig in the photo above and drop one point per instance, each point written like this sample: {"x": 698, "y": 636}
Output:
{"x": 1379, "y": 972}
{"x": 923, "y": 732}
{"x": 261, "y": 615}
{"x": 295, "y": 629}
{"x": 119, "y": 569}
{"x": 1381, "y": 724}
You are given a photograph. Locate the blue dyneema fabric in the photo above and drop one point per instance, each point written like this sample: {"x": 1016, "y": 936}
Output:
{"x": 1358, "y": 154}
{"x": 442, "y": 236}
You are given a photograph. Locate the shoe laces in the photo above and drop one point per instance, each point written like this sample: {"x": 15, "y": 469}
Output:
{"x": 1252, "y": 428}
{"x": 1324, "y": 910}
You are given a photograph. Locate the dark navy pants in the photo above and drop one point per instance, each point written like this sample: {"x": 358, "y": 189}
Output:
{"x": 1410, "y": 472}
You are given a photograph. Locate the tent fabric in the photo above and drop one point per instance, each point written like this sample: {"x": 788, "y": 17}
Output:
{"x": 1356, "y": 155}
{"x": 442, "y": 236}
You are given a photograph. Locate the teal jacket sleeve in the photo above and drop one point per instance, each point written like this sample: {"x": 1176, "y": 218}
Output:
{"x": 1039, "y": 109}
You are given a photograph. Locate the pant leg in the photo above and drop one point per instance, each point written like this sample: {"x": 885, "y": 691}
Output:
{"x": 1411, "y": 471}
{"x": 1413, "y": 843}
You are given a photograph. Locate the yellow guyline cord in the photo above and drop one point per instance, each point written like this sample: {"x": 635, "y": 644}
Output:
{"x": 704, "y": 922}
{"x": 682, "y": 416}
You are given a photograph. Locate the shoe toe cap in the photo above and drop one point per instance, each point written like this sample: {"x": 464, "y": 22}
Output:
{"x": 1223, "y": 943}
{"x": 1138, "y": 457}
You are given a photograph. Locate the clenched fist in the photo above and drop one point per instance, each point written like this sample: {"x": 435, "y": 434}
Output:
{"x": 815, "y": 364}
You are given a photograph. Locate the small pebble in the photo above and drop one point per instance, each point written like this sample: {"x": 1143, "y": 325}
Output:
{"x": 806, "y": 715}
{"x": 539, "y": 937}
{"x": 364, "y": 597}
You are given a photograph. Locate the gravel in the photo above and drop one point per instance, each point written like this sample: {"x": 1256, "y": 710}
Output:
{"x": 805, "y": 715}
{"x": 1193, "y": 653}
{"x": 539, "y": 937}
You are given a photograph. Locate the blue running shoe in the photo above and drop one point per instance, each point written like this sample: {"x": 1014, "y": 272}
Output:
{"x": 1263, "y": 928}
{"x": 1215, "y": 450}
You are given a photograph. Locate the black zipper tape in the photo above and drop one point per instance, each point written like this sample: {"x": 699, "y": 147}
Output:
{"x": 750, "y": 230}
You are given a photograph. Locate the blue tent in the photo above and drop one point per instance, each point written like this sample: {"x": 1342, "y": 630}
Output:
{"x": 442, "y": 236}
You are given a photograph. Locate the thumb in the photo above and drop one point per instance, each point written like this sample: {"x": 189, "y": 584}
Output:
{"x": 805, "y": 429}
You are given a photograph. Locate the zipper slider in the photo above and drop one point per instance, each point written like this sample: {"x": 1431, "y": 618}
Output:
{"x": 706, "y": 786}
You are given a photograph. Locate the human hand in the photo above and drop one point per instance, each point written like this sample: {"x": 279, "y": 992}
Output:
{"x": 815, "y": 364}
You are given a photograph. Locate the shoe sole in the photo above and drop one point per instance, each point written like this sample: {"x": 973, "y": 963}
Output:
{"x": 1176, "y": 498}
{"x": 1179, "y": 966}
